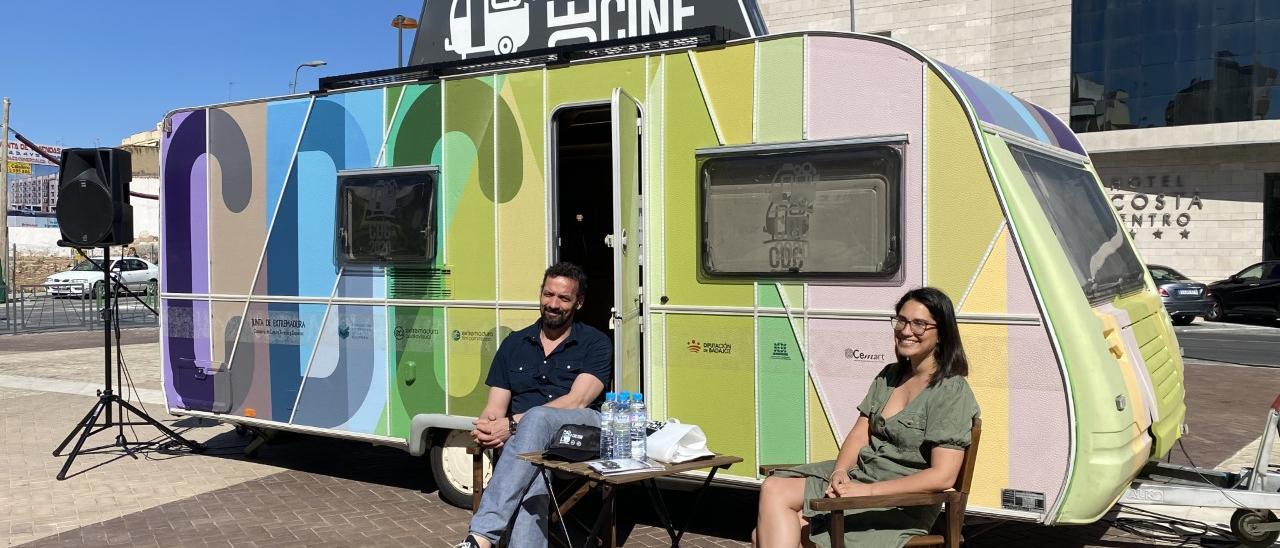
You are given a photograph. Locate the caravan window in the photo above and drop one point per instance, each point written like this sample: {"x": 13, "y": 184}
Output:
{"x": 802, "y": 213}
{"x": 387, "y": 215}
{"x": 1101, "y": 258}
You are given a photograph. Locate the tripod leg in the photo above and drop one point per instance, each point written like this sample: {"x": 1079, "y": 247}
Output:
{"x": 88, "y": 429}
{"x": 84, "y": 423}
{"x": 197, "y": 447}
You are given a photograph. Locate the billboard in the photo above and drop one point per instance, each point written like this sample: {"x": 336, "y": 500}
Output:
{"x": 33, "y": 186}
{"x": 467, "y": 29}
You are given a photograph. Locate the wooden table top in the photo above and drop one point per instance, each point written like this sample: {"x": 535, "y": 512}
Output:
{"x": 581, "y": 469}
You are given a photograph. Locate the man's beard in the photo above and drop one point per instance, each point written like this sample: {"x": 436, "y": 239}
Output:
{"x": 556, "y": 321}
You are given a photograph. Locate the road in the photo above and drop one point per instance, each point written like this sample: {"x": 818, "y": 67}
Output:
{"x": 1236, "y": 343}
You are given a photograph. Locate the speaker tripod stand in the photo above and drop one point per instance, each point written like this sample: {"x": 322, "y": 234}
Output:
{"x": 111, "y": 406}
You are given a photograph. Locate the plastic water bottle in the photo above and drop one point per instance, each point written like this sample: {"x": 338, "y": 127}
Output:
{"x": 622, "y": 427}
{"x": 608, "y": 416}
{"x": 639, "y": 418}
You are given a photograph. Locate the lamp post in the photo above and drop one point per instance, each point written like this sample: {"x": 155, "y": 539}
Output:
{"x": 400, "y": 23}
{"x": 293, "y": 86}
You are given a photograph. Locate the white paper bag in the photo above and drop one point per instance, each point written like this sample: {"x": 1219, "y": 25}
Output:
{"x": 675, "y": 443}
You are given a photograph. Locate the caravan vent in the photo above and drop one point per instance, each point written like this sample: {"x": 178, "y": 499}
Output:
{"x": 419, "y": 283}
{"x": 1026, "y": 501}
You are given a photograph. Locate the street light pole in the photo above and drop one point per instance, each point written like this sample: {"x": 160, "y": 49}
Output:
{"x": 293, "y": 85}
{"x": 400, "y": 23}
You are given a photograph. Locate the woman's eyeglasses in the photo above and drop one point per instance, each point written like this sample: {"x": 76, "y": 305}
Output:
{"x": 918, "y": 327}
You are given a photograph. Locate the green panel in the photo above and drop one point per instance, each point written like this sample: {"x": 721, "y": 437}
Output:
{"x": 782, "y": 388}
{"x": 472, "y": 340}
{"x": 728, "y": 78}
{"x": 417, "y": 343}
{"x": 711, "y": 381}
{"x": 780, "y": 98}
{"x": 468, "y": 207}
{"x": 414, "y": 138}
{"x": 655, "y": 261}
{"x": 594, "y": 82}
{"x": 392, "y": 102}
{"x": 684, "y": 108}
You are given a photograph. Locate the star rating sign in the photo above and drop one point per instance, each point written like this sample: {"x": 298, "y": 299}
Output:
{"x": 1157, "y": 234}
{"x": 1185, "y": 233}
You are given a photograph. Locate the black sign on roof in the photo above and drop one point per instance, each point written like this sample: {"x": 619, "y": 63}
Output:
{"x": 453, "y": 30}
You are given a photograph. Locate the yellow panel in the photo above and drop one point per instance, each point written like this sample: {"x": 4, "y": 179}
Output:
{"x": 990, "y": 289}
{"x": 728, "y": 81}
{"x": 522, "y": 219}
{"x": 711, "y": 375}
{"x": 823, "y": 444}
{"x": 987, "y": 347}
{"x": 963, "y": 212}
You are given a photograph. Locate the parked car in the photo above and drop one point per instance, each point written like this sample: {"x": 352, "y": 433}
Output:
{"x": 1183, "y": 298}
{"x": 85, "y": 279}
{"x": 1254, "y": 291}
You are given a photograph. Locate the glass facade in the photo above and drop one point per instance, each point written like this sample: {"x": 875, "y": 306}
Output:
{"x": 1153, "y": 63}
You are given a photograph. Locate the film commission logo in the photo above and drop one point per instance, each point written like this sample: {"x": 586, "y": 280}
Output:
{"x": 416, "y": 333}
{"x": 697, "y": 347}
{"x": 467, "y": 335}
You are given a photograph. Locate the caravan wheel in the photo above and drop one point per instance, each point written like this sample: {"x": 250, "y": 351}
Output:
{"x": 451, "y": 467}
{"x": 1245, "y": 526}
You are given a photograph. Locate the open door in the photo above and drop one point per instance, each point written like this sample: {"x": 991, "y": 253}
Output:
{"x": 626, "y": 241}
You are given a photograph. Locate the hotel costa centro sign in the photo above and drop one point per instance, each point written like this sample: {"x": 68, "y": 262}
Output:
{"x": 467, "y": 29}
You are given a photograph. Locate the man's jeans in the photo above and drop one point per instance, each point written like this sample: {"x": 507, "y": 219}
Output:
{"x": 513, "y": 478}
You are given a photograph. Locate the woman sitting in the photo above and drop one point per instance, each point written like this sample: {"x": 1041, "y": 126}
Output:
{"x": 910, "y": 437}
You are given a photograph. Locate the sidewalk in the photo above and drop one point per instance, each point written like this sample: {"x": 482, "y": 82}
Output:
{"x": 310, "y": 491}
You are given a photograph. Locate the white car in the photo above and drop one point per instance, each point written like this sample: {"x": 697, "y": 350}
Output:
{"x": 85, "y": 280}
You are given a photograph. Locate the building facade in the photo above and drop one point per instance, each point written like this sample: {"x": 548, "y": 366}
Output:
{"x": 37, "y": 194}
{"x": 1177, "y": 102}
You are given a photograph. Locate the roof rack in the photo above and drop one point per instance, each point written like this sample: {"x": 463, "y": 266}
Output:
{"x": 681, "y": 39}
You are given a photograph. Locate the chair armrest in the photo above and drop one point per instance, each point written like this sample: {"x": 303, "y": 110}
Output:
{"x": 766, "y": 469}
{"x": 882, "y": 501}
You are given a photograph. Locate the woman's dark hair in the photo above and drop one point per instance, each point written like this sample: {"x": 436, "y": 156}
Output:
{"x": 567, "y": 270}
{"x": 950, "y": 351}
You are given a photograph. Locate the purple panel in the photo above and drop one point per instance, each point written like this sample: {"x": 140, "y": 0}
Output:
{"x": 188, "y": 385}
{"x": 1063, "y": 134}
{"x": 200, "y": 225}
{"x": 845, "y": 77}
{"x": 845, "y": 356}
{"x": 1021, "y": 298}
{"x": 182, "y": 149}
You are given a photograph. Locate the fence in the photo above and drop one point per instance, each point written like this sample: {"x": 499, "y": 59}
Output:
{"x": 32, "y": 304}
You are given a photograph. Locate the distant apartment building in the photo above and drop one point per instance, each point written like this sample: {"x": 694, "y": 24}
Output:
{"x": 1177, "y": 101}
{"x": 38, "y": 194}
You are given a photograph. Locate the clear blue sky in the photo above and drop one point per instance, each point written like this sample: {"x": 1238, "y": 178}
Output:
{"x": 89, "y": 73}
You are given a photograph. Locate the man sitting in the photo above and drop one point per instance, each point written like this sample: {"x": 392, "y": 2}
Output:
{"x": 544, "y": 376}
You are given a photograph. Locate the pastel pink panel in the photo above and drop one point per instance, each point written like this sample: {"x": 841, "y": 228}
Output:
{"x": 1021, "y": 299}
{"x": 845, "y": 356}
{"x": 864, "y": 89}
{"x": 1039, "y": 439}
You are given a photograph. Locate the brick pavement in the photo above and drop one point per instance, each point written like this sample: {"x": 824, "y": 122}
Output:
{"x": 308, "y": 491}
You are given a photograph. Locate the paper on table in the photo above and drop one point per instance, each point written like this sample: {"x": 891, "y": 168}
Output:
{"x": 675, "y": 443}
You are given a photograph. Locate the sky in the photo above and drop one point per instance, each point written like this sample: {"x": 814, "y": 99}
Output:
{"x": 83, "y": 73}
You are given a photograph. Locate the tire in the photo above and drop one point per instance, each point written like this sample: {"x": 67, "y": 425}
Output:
{"x": 1215, "y": 312}
{"x": 451, "y": 467}
{"x": 1244, "y": 523}
{"x": 96, "y": 290}
{"x": 1183, "y": 320}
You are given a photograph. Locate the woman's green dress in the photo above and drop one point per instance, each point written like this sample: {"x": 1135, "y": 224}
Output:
{"x": 940, "y": 416}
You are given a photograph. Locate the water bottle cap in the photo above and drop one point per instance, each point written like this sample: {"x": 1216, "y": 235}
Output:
{"x": 637, "y": 397}
{"x": 625, "y": 396}
{"x": 610, "y": 396}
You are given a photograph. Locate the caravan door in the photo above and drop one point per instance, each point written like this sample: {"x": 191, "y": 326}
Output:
{"x": 626, "y": 240}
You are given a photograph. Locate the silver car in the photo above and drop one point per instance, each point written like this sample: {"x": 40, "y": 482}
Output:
{"x": 1183, "y": 298}
{"x": 85, "y": 279}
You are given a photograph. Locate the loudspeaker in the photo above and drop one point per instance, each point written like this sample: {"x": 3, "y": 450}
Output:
{"x": 93, "y": 197}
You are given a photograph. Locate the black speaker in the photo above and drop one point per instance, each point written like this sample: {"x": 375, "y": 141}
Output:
{"x": 93, "y": 197}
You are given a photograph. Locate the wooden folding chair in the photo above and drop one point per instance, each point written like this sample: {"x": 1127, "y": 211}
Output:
{"x": 946, "y": 532}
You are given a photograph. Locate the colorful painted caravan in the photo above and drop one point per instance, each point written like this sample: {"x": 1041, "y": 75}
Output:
{"x": 345, "y": 263}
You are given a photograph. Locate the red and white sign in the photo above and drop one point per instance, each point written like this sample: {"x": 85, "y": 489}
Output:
{"x": 19, "y": 152}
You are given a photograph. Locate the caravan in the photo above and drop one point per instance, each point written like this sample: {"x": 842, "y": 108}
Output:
{"x": 487, "y": 26}
{"x": 748, "y": 212}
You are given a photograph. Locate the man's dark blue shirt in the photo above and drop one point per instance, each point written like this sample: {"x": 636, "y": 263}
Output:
{"x": 535, "y": 379}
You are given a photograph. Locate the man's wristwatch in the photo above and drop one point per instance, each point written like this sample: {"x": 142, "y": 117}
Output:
{"x": 511, "y": 423}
